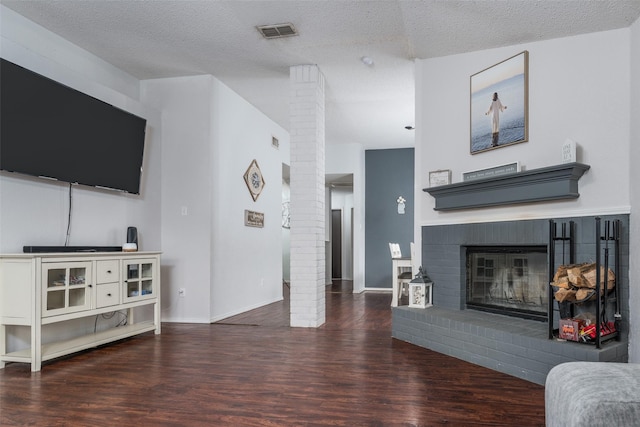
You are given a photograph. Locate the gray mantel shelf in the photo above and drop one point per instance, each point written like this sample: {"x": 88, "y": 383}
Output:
{"x": 537, "y": 185}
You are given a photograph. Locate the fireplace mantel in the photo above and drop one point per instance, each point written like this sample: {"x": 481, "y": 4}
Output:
{"x": 537, "y": 185}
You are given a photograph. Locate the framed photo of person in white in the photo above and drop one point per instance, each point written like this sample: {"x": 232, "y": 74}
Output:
{"x": 499, "y": 106}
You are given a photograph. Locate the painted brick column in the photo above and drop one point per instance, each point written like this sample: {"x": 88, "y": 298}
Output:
{"x": 307, "y": 196}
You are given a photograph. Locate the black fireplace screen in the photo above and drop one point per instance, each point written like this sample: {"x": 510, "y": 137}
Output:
{"x": 508, "y": 280}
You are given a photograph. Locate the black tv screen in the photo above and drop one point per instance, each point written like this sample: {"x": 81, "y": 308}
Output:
{"x": 50, "y": 130}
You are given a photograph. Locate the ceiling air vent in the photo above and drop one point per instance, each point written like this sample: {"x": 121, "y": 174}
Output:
{"x": 277, "y": 31}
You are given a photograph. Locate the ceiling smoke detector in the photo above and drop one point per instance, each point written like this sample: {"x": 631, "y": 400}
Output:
{"x": 277, "y": 31}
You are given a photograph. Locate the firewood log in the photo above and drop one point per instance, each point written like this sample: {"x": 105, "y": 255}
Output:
{"x": 590, "y": 278}
{"x": 561, "y": 272}
{"x": 576, "y": 282}
{"x": 562, "y": 282}
{"x": 583, "y": 294}
{"x": 575, "y": 273}
{"x": 565, "y": 295}
{"x": 584, "y": 276}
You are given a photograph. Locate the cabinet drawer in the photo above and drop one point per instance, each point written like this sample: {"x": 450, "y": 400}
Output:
{"x": 108, "y": 271}
{"x": 108, "y": 294}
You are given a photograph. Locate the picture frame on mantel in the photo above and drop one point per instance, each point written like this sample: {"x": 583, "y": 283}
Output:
{"x": 499, "y": 104}
{"x": 439, "y": 177}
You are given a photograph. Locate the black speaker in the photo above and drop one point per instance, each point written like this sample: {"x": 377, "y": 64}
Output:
{"x": 132, "y": 235}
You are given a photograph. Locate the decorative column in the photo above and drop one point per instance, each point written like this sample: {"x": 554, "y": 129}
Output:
{"x": 307, "y": 196}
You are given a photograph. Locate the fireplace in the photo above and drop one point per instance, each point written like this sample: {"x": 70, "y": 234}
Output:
{"x": 509, "y": 280}
{"x": 513, "y": 345}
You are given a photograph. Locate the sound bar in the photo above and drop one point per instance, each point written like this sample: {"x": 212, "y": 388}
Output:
{"x": 41, "y": 249}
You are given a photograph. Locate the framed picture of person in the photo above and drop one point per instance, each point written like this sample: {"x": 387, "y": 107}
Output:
{"x": 500, "y": 104}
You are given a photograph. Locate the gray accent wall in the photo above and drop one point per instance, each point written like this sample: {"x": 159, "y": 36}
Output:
{"x": 389, "y": 174}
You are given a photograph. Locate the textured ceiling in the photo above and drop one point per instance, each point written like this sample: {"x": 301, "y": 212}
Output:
{"x": 370, "y": 105}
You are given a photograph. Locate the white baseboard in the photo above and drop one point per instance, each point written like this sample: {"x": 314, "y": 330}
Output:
{"x": 184, "y": 320}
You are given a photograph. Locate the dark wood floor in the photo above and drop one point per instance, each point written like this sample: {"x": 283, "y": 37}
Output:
{"x": 253, "y": 370}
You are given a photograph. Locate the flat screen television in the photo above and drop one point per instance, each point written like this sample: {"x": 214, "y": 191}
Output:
{"x": 50, "y": 130}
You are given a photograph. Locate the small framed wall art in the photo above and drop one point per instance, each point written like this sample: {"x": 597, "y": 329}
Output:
{"x": 439, "y": 177}
{"x": 254, "y": 180}
{"x": 253, "y": 219}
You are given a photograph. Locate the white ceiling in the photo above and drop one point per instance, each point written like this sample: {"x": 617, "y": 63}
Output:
{"x": 370, "y": 105}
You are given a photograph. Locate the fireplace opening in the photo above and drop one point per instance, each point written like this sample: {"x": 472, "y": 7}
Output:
{"x": 510, "y": 280}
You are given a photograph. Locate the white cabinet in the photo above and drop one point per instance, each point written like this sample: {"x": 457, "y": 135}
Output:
{"x": 43, "y": 289}
{"x": 67, "y": 287}
{"x": 138, "y": 279}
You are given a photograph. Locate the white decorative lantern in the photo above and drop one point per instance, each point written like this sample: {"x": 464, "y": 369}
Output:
{"x": 421, "y": 291}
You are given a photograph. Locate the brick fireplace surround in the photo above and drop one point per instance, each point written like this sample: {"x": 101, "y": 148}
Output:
{"x": 511, "y": 345}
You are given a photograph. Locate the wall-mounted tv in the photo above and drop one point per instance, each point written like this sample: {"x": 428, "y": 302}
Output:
{"x": 50, "y": 130}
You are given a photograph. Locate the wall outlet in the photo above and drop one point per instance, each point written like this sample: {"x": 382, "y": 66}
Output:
{"x": 182, "y": 292}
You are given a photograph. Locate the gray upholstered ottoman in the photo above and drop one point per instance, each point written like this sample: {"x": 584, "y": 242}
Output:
{"x": 593, "y": 394}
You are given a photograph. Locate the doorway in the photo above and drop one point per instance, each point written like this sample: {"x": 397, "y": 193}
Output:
{"x": 336, "y": 243}
{"x": 340, "y": 264}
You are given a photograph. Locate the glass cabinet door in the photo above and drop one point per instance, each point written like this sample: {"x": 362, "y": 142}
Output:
{"x": 139, "y": 279}
{"x": 66, "y": 287}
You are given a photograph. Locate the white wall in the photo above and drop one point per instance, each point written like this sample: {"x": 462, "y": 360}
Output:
{"x": 349, "y": 159}
{"x": 246, "y": 261}
{"x": 634, "y": 179}
{"x": 210, "y": 137}
{"x": 186, "y": 193}
{"x": 578, "y": 89}
{"x": 34, "y": 211}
